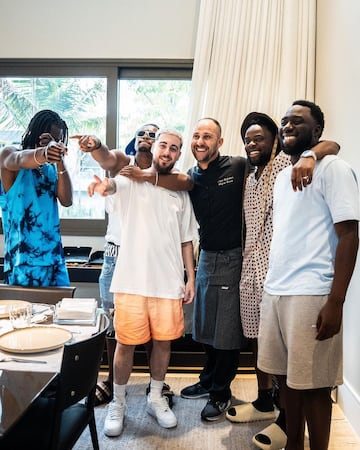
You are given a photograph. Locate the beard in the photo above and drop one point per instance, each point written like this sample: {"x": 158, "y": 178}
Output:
{"x": 144, "y": 148}
{"x": 204, "y": 157}
{"x": 260, "y": 160}
{"x": 163, "y": 170}
{"x": 297, "y": 145}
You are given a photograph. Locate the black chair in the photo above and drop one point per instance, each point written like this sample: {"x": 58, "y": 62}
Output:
{"x": 50, "y": 294}
{"x": 56, "y": 423}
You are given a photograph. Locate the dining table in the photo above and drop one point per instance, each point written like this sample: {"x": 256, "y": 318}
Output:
{"x": 30, "y": 359}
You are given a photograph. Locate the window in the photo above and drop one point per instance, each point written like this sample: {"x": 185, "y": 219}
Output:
{"x": 110, "y": 100}
{"x": 156, "y": 96}
{"x": 81, "y": 102}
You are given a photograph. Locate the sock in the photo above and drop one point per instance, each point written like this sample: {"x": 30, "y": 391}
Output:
{"x": 119, "y": 393}
{"x": 156, "y": 388}
{"x": 264, "y": 402}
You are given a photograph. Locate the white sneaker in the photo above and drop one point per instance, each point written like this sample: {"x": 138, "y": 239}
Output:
{"x": 114, "y": 419}
{"x": 159, "y": 408}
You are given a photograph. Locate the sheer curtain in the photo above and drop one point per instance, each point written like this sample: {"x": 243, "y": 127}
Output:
{"x": 251, "y": 55}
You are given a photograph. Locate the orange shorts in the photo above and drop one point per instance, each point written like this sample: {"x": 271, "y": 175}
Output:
{"x": 139, "y": 319}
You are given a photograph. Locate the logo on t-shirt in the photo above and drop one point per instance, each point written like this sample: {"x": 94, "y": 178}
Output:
{"x": 226, "y": 180}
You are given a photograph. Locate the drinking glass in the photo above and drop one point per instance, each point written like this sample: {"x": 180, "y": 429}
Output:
{"x": 20, "y": 315}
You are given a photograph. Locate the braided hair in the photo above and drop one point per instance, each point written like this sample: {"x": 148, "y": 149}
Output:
{"x": 41, "y": 123}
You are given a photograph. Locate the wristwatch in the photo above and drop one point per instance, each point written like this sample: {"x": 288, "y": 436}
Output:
{"x": 308, "y": 153}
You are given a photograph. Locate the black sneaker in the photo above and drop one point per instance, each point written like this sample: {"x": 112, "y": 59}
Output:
{"x": 215, "y": 409}
{"x": 166, "y": 392}
{"x": 194, "y": 391}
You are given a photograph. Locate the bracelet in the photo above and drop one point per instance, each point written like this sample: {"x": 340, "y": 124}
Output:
{"x": 156, "y": 178}
{"x": 111, "y": 186}
{"x": 37, "y": 162}
{"x": 61, "y": 172}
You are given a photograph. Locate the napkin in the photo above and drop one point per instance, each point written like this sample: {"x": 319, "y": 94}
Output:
{"x": 76, "y": 309}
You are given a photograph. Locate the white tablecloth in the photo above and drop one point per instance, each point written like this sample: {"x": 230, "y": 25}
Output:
{"x": 53, "y": 357}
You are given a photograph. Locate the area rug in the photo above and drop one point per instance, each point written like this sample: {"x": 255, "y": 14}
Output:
{"x": 141, "y": 431}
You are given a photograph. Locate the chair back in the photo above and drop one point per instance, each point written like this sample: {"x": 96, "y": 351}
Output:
{"x": 80, "y": 367}
{"x": 77, "y": 380}
{"x": 50, "y": 294}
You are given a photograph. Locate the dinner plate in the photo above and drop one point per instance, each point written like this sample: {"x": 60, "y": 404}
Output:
{"x": 5, "y": 306}
{"x": 34, "y": 339}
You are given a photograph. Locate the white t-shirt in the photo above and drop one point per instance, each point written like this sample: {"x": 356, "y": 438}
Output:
{"x": 113, "y": 231}
{"x": 304, "y": 242}
{"x": 154, "y": 223}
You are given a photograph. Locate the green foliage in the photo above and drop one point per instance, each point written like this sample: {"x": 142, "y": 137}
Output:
{"x": 81, "y": 102}
{"x": 163, "y": 102}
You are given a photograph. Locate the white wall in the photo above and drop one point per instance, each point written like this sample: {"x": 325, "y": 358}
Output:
{"x": 338, "y": 94}
{"x": 98, "y": 28}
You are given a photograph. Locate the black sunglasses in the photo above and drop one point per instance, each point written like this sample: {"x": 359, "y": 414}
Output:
{"x": 150, "y": 134}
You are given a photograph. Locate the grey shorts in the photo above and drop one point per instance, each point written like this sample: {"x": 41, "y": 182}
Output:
{"x": 287, "y": 344}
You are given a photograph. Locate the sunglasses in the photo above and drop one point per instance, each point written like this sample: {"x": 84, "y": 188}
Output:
{"x": 149, "y": 134}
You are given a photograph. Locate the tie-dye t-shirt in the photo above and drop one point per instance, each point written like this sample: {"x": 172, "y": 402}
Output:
{"x": 30, "y": 219}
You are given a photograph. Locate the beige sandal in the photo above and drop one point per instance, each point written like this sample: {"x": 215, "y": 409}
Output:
{"x": 246, "y": 412}
{"x": 270, "y": 438}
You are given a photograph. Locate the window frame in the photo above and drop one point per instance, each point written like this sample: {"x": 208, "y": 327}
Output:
{"x": 112, "y": 70}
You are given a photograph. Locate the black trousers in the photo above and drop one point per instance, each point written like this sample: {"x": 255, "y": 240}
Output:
{"x": 219, "y": 371}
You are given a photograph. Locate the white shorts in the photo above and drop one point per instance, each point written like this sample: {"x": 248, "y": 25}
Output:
{"x": 287, "y": 344}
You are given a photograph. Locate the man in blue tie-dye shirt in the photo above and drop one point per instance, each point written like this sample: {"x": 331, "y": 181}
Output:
{"x": 32, "y": 179}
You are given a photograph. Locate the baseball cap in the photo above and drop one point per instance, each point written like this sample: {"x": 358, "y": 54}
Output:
{"x": 130, "y": 148}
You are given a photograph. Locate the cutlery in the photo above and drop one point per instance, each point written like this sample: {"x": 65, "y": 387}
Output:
{"x": 35, "y": 361}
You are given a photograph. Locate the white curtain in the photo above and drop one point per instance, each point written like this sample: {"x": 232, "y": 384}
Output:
{"x": 251, "y": 55}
